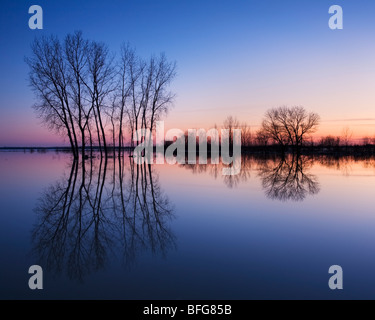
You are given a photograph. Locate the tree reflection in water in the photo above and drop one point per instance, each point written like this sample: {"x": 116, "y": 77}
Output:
{"x": 283, "y": 178}
{"x": 288, "y": 178}
{"x": 103, "y": 207}
{"x": 216, "y": 170}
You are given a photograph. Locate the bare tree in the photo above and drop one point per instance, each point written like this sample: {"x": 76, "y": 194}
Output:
{"x": 262, "y": 137}
{"x": 346, "y": 136}
{"x": 246, "y": 137}
{"x": 161, "y": 97}
{"x": 274, "y": 129}
{"x": 289, "y": 125}
{"x": 154, "y": 97}
{"x": 110, "y": 112}
{"x": 231, "y": 123}
{"x": 76, "y": 49}
{"x": 330, "y": 142}
{"x": 100, "y": 85}
{"x": 147, "y": 92}
{"x": 137, "y": 98}
{"x": 48, "y": 78}
{"x": 127, "y": 80}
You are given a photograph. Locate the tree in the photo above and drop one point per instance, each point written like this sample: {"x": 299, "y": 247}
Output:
{"x": 231, "y": 123}
{"x": 246, "y": 137}
{"x": 262, "y": 137}
{"x": 161, "y": 98}
{"x": 76, "y": 49}
{"x": 289, "y": 125}
{"x": 330, "y": 142}
{"x": 48, "y": 77}
{"x": 134, "y": 108}
{"x": 127, "y": 81}
{"x": 100, "y": 85}
{"x": 346, "y": 136}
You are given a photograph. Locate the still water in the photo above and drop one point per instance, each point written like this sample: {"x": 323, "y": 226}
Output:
{"x": 114, "y": 230}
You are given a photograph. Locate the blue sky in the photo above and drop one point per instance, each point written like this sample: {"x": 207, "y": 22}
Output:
{"x": 234, "y": 57}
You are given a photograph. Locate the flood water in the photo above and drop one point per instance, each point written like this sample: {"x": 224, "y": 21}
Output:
{"x": 116, "y": 230}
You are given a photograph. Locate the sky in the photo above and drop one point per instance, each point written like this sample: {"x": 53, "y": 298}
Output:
{"x": 234, "y": 57}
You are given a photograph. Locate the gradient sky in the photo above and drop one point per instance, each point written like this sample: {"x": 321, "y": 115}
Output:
{"x": 234, "y": 57}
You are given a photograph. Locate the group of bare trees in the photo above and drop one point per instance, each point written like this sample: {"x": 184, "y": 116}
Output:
{"x": 285, "y": 126}
{"x": 85, "y": 93}
{"x": 346, "y": 142}
{"x": 231, "y": 123}
{"x": 293, "y": 127}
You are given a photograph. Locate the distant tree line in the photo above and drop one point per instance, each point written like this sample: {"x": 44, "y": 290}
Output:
{"x": 291, "y": 128}
{"x": 89, "y": 95}
{"x": 283, "y": 126}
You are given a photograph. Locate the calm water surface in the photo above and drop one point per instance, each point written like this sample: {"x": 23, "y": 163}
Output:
{"x": 115, "y": 230}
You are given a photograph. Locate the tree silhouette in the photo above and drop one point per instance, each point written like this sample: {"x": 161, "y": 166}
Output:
{"x": 289, "y": 125}
{"x": 231, "y": 123}
{"x": 49, "y": 80}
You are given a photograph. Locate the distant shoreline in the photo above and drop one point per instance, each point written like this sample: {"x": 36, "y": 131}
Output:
{"x": 353, "y": 150}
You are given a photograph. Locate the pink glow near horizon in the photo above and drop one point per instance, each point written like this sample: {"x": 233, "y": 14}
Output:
{"x": 36, "y": 135}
